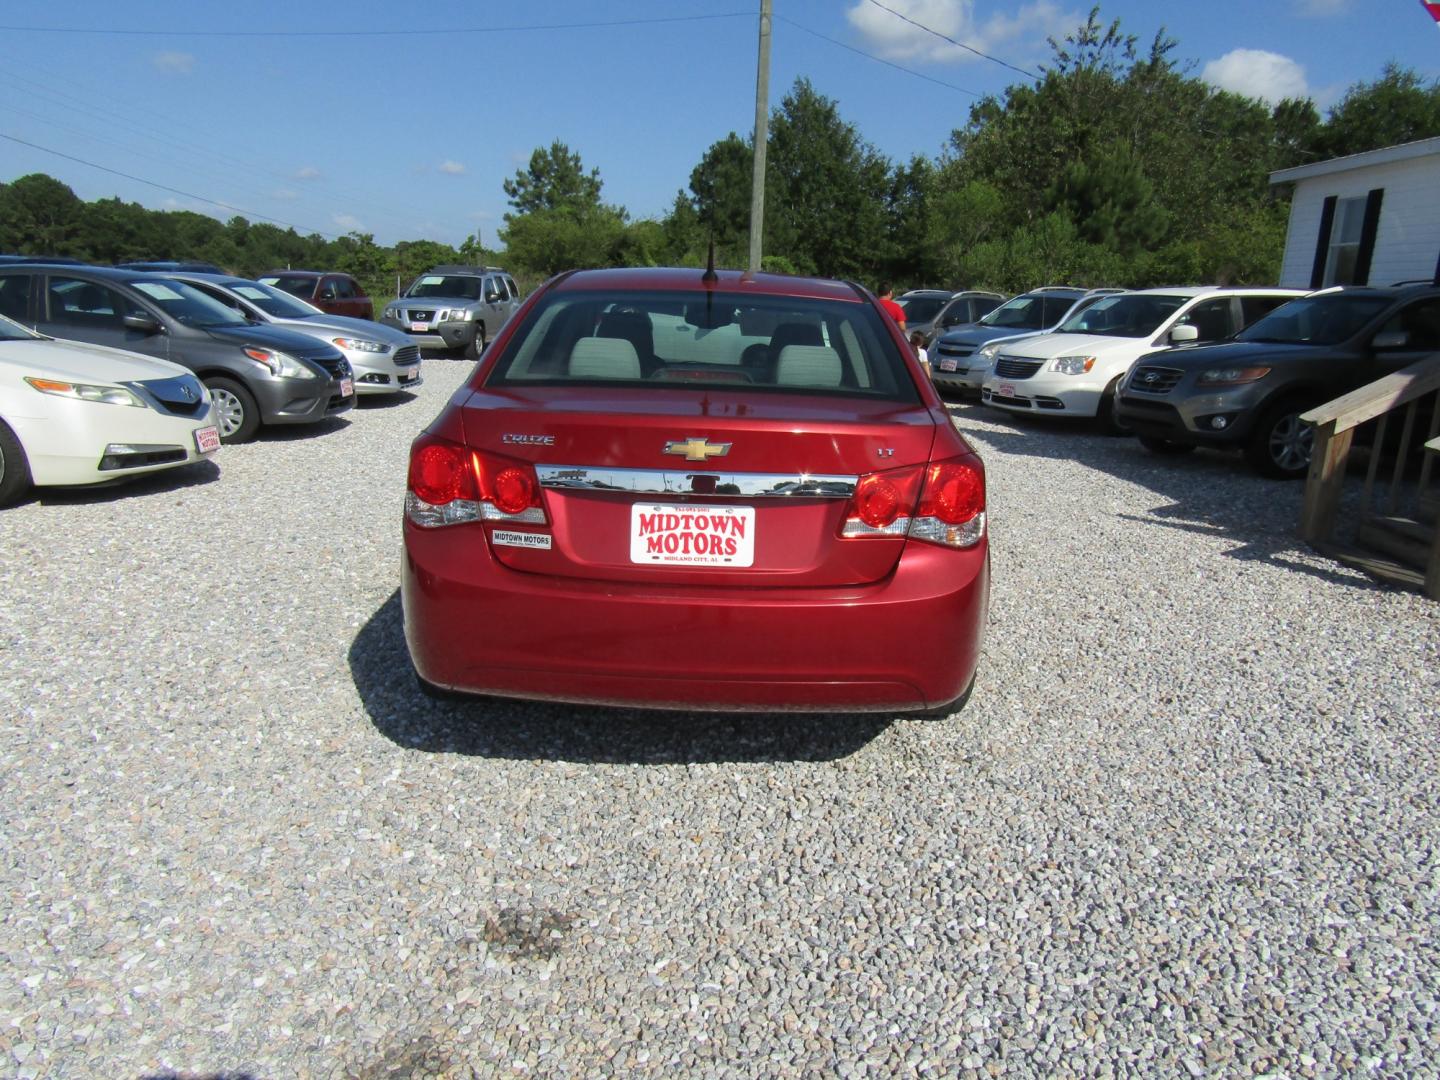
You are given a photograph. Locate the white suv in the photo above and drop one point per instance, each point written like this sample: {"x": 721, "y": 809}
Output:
{"x": 1074, "y": 370}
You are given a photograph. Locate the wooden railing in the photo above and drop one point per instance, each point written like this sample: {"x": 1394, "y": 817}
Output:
{"x": 1394, "y": 525}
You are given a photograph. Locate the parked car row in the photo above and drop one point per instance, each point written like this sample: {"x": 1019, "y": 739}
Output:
{"x": 220, "y": 354}
{"x": 1185, "y": 367}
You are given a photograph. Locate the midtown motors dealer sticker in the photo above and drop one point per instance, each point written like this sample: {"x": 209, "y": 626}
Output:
{"x": 521, "y": 539}
{"x": 692, "y": 535}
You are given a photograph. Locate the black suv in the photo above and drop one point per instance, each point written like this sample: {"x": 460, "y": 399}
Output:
{"x": 1249, "y": 393}
{"x": 256, "y": 374}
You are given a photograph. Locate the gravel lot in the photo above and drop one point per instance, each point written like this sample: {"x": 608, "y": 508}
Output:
{"x": 1187, "y": 824}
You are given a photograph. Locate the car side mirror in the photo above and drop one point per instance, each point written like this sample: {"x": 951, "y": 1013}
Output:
{"x": 328, "y": 294}
{"x": 492, "y": 297}
{"x": 143, "y": 323}
{"x": 1390, "y": 339}
{"x": 1183, "y": 333}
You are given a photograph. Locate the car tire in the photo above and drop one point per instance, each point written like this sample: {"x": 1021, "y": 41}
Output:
{"x": 1165, "y": 447}
{"x": 477, "y": 343}
{"x": 14, "y": 467}
{"x": 1280, "y": 446}
{"x": 235, "y": 410}
{"x": 1108, "y": 415}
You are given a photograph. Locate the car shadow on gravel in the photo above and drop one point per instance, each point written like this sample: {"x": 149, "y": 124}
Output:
{"x": 527, "y": 730}
{"x": 1208, "y": 492}
{"x": 160, "y": 483}
{"x": 295, "y": 432}
{"x": 374, "y": 402}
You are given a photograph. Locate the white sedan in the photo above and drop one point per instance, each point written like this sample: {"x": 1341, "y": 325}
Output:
{"x": 75, "y": 414}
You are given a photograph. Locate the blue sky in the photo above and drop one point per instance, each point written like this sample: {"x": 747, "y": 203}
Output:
{"x": 409, "y": 135}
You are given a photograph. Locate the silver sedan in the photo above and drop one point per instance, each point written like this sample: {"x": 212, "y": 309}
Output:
{"x": 384, "y": 360}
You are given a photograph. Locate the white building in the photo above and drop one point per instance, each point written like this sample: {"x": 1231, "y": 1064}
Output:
{"x": 1366, "y": 219}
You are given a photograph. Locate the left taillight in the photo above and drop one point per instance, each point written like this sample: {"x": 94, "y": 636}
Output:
{"x": 450, "y": 484}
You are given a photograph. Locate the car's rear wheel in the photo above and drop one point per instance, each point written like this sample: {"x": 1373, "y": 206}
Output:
{"x": 1165, "y": 447}
{"x": 235, "y": 410}
{"x": 1281, "y": 444}
{"x": 477, "y": 343}
{"x": 1109, "y": 412}
{"x": 14, "y": 467}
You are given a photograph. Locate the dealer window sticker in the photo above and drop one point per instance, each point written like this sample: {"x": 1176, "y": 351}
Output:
{"x": 157, "y": 291}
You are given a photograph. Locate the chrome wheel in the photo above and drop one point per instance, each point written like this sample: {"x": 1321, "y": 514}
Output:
{"x": 1291, "y": 443}
{"x": 229, "y": 410}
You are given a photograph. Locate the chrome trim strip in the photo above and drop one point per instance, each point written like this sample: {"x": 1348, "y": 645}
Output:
{"x": 680, "y": 482}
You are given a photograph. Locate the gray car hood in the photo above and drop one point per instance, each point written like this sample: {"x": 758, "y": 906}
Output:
{"x": 344, "y": 324}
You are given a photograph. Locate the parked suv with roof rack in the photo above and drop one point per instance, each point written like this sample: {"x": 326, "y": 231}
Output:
{"x": 931, "y": 311}
{"x": 1074, "y": 370}
{"x": 1249, "y": 394}
{"x": 455, "y": 307}
{"x": 961, "y": 357}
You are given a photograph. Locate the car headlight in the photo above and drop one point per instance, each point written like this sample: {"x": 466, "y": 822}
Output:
{"x": 281, "y": 365}
{"x": 356, "y": 344}
{"x": 988, "y": 353}
{"x": 1232, "y": 376}
{"x": 103, "y": 395}
{"x": 458, "y": 314}
{"x": 1073, "y": 365}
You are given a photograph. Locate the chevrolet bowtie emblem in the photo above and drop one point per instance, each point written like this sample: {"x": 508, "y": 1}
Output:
{"x": 697, "y": 449}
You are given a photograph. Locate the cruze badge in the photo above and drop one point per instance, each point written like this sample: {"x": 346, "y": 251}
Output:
{"x": 697, "y": 449}
{"x": 528, "y": 440}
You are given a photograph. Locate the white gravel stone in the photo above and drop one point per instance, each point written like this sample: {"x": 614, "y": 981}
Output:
{"x": 1186, "y": 824}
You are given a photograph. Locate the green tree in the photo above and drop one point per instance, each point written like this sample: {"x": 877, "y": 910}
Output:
{"x": 554, "y": 180}
{"x": 40, "y": 216}
{"x": 1396, "y": 108}
{"x": 721, "y": 188}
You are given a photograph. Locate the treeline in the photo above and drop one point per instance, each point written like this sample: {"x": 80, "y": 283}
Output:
{"x": 1116, "y": 167}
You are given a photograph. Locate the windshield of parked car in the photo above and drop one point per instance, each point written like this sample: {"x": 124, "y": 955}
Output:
{"x": 10, "y": 331}
{"x": 274, "y": 302}
{"x": 922, "y": 309}
{"x": 301, "y": 285}
{"x": 450, "y": 286}
{"x": 188, "y": 305}
{"x": 1130, "y": 315}
{"x": 1316, "y": 320}
{"x": 1021, "y": 313}
{"x": 683, "y": 340}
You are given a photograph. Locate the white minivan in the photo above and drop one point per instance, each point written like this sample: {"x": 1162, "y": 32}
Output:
{"x": 1074, "y": 370}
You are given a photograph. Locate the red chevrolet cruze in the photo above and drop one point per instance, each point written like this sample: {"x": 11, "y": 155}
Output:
{"x": 684, "y": 489}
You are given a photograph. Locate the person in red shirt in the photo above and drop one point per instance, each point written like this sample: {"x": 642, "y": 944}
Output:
{"x": 894, "y": 310}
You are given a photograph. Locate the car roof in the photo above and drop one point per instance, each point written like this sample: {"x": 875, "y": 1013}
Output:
{"x": 674, "y": 279}
{"x": 1225, "y": 290}
{"x": 474, "y": 271}
{"x": 1393, "y": 292}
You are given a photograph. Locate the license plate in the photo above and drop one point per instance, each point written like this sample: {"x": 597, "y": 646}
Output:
{"x": 1006, "y": 390}
{"x": 403, "y": 378}
{"x": 692, "y": 535}
{"x": 347, "y": 387}
{"x": 947, "y": 365}
{"x": 419, "y": 327}
{"x": 207, "y": 439}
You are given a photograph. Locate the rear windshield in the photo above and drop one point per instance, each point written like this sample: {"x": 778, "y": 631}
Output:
{"x": 447, "y": 285}
{"x": 272, "y": 301}
{"x": 675, "y": 339}
{"x": 1130, "y": 315}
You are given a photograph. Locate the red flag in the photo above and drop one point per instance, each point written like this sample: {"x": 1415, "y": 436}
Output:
{"x": 1434, "y": 9}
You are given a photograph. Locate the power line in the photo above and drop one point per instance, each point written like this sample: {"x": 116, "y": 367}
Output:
{"x": 165, "y": 187}
{"x": 952, "y": 41}
{"x": 878, "y": 60}
{"x": 448, "y": 31}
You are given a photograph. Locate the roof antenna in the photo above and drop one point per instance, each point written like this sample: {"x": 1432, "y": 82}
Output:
{"x": 710, "y": 274}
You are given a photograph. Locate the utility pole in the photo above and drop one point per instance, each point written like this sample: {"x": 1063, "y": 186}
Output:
{"x": 762, "y": 129}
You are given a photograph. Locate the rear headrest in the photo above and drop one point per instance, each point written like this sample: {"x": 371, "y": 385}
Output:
{"x": 604, "y": 358}
{"x": 808, "y": 365}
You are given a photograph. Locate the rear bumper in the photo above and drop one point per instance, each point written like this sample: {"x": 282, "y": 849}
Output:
{"x": 911, "y": 641}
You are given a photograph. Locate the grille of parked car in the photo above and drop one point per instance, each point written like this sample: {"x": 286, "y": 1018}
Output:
{"x": 1016, "y": 367}
{"x": 420, "y": 314}
{"x": 181, "y": 396}
{"x": 407, "y": 355}
{"x": 337, "y": 366}
{"x": 1155, "y": 380}
{"x": 945, "y": 348}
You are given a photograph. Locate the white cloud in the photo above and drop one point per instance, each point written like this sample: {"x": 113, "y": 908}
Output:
{"x": 176, "y": 63}
{"x": 308, "y": 172}
{"x": 453, "y": 168}
{"x": 1256, "y": 73}
{"x": 1321, "y": 9}
{"x": 348, "y": 222}
{"x": 895, "y": 39}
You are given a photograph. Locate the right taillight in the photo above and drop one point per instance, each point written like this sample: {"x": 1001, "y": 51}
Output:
{"x": 952, "y": 504}
{"x": 451, "y": 484}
